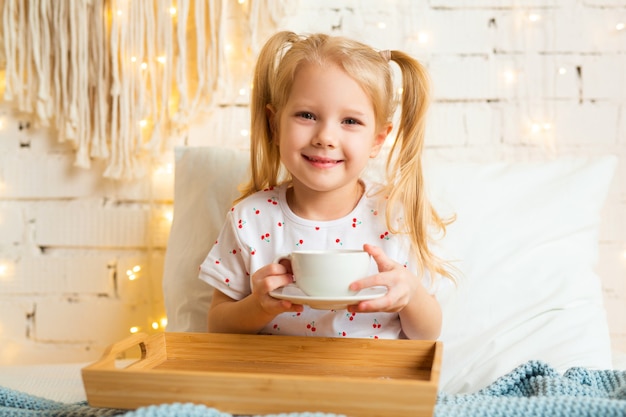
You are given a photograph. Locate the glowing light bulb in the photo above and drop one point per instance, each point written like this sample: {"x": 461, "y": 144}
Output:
{"x": 132, "y": 273}
{"x": 172, "y": 10}
{"x": 169, "y": 216}
{"x": 244, "y": 132}
{"x": 143, "y": 65}
{"x": 535, "y": 128}
{"x": 242, "y": 91}
{"x": 155, "y": 325}
{"x": 162, "y": 59}
{"x": 620, "y": 26}
{"x": 423, "y": 37}
{"x": 134, "y": 329}
{"x": 133, "y": 59}
{"x": 533, "y": 17}
{"x": 562, "y": 71}
{"x": 164, "y": 322}
{"x": 143, "y": 123}
{"x": 509, "y": 76}
{"x": 382, "y": 25}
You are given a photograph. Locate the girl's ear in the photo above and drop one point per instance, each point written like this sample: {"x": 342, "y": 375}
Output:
{"x": 270, "y": 113}
{"x": 379, "y": 140}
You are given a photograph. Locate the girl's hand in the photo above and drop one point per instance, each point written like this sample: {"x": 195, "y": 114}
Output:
{"x": 267, "y": 279}
{"x": 401, "y": 284}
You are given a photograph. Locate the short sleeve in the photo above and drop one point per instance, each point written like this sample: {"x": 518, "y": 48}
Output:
{"x": 225, "y": 267}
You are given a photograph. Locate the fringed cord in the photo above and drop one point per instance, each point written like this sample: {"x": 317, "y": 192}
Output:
{"x": 119, "y": 78}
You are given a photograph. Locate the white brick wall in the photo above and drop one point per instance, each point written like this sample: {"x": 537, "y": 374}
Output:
{"x": 67, "y": 237}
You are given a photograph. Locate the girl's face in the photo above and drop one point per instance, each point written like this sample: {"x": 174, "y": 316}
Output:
{"x": 327, "y": 130}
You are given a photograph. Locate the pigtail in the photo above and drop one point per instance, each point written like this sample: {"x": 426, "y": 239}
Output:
{"x": 405, "y": 179}
{"x": 264, "y": 153}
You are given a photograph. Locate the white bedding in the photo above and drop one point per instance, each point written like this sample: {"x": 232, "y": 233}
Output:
{"x": 525, "y": 241}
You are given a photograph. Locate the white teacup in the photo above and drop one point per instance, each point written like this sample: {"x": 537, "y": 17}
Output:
{"x": 328, "y": 273}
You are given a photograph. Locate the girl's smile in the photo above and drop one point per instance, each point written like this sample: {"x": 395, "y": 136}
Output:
{"x": 322, "y": 162}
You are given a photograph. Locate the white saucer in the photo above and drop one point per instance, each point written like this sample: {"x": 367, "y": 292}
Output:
{"x": 295, "y": 295}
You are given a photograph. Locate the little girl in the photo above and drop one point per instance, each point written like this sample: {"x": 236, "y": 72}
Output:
{"x": 321, "y": 107}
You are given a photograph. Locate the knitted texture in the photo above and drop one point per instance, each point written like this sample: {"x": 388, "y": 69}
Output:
{"x": 532, "y": 389}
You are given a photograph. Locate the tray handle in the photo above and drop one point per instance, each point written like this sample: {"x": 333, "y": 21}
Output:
{"x": 111, "y": 354}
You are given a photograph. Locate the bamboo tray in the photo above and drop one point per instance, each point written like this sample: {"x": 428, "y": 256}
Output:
{"x": 254, "y": 374}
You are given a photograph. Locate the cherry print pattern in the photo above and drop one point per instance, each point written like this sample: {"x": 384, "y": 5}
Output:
{"x": 270, "y": 226}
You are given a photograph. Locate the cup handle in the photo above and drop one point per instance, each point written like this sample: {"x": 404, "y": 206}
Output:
{"x": 279, "y": 258}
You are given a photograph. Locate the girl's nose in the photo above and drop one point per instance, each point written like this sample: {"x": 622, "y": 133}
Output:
{"x": 325, "y": 137}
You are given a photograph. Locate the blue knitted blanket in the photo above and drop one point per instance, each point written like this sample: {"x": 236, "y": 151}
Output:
{"x": 532, "y": 389}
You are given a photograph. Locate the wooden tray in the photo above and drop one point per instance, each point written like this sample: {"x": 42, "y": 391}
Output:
{"x": 254, "y": 374}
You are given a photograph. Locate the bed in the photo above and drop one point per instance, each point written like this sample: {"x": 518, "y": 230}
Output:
{"x": 525, "y": 326}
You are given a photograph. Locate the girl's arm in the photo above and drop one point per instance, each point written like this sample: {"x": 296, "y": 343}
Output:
{"x": 420, "y": 312}
{"x": 252, "y": 313}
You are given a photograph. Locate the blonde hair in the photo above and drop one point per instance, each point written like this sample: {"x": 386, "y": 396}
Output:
{"x": 283, "y": 54}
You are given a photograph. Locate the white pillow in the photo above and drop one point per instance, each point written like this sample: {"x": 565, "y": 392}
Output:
{"x": 205, "y": 185}
{"x": 525, "y": 239}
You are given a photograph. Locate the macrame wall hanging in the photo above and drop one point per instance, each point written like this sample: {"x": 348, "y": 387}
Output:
{"x": 120, "y": 78}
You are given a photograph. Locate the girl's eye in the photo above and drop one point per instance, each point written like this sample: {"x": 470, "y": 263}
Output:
{"x": 306, "y": 115}
{"x": 352, "y": 121}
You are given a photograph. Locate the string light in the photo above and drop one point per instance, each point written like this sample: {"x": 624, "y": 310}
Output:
{"x": 382, "y": 25}
{"x": 562, "y": 70}
{"x": 173, "y": 10}
{"x": 4, "y": 271}
{"x": 533, "y": 17}
{"x": 537, "y": 127}
{"x": 244, "y": 132}
{"x": 510, "y": 76}
{"x": 620, "y": 26}
{"x": 134, "y": 329}
{"x": 132, "y": 274}
{"x": 162, "y": 59}
{"x": 423, "y": 37}
{"x": 169, "y": 215}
